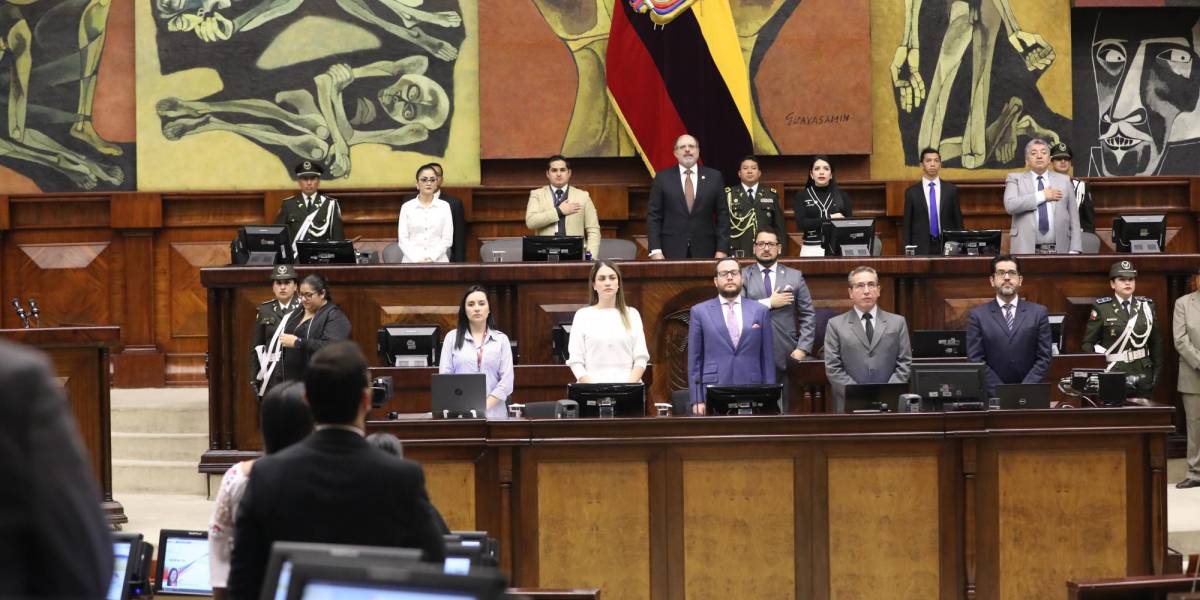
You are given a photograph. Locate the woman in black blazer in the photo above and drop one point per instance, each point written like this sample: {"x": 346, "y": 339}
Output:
{"x": 311, "y": 327}
{"x": 820, "y": 201}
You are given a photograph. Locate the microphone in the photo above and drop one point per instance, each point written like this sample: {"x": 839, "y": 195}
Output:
{"x": 16, "y": 302}
{"x": 33, "y": 310}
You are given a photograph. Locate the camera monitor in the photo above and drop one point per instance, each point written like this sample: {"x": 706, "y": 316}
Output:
{"x": 940, "y": 384}
{"x": 560, "y": 340}
{"x": 408, "y": 345}
{"x": 285, "y": 555}
{"x": 609, "y": 399}
{"x": 1057, "y": 325}
{"x": 975, "y": 242}
{"x": 1140, "y": 233}
{"x": 543, "y": 248}
{"x": 182, "y": 563}
{"x": 127, "y": 551}
{"x": 848, "y": 237}
{"x": 748, "y": 399}
{"x": 335, "y": 252}
{"x": 261, "y": 245}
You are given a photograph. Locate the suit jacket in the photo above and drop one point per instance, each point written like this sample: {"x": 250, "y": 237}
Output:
{"x": 712, "y": 359}
{"x": 849, "y": 358}
{"x": 458, "y": 251}
{"x": 328, "y": 325}
{"x": 542, "y": 217}
{"x": 788, "y": 336}
{"x": 1186, "y": 326}
{"x": 332, "y": 488}
{"x": 1020, "y": 201}
{"x": 915, "y": 228}
{"x": 53, "y": 540}
{"x": 1018, "y": 356}
{"x": 292, "y": 213}
{"x": 672, "y": 229}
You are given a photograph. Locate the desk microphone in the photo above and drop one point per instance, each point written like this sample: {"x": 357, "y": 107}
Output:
{"x": 16, "y": 302}
{"x": 34, "y": 312}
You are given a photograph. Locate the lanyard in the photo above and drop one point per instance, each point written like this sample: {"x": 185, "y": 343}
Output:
{"x": 479, "y": 351}
{"x": 822, "y": 207}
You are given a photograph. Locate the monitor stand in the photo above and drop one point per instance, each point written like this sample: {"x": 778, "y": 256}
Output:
{"x": 856, "y": 250}
{"x": 261, "y": 258}
{"x": 1144, "y": 247}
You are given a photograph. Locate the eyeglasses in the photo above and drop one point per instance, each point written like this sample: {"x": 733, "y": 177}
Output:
{"x": 727, "y": 274}
{"x": 427, "y": 179}
{"x": 765, "y": 244}
{"x": 865, "y": 285}
{"x": 1003, "y": 274}
{"x": 308, "y": 295}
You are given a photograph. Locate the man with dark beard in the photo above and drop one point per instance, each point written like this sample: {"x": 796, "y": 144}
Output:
{"x": 1011, "y": 336}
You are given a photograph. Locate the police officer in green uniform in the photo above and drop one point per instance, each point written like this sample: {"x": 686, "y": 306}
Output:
{"x": 310, "y": 215}
{"x": 753, "y": 208}
{"x": 1123, "y": 328}
{"x": 265, "y": 370}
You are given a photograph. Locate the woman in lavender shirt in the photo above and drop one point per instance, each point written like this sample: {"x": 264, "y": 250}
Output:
{"x": 477, "y": 347}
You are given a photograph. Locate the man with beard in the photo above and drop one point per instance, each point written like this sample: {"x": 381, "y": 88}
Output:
{"x": 729, "y": 341}
{"x": 1010, "y": 336}
{"x": 1147, "y": 89}
{"x": 782, "y": 290}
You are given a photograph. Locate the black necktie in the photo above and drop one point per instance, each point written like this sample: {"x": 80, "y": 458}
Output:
{"x": 1125, "y": 305}
{"x": 870, "y": 328}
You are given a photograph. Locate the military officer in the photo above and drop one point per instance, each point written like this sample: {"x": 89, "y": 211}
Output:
{"x": 265, "y": 372}
{"x": 310, "y": 215}
{"x": 1122, "y": 327}
{"x": 753, "y": 208}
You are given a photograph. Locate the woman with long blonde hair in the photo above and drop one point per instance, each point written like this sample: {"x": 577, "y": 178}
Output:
{"x": 608, "y": 344}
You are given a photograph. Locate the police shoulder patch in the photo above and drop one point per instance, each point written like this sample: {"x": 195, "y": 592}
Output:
{"x": 1145, "y": 299}
{"x": 1104, "y": 300}
{"x": 266, "y": 303}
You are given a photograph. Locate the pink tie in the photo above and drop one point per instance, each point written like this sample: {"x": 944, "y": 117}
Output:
{"x": 731, "y": 323}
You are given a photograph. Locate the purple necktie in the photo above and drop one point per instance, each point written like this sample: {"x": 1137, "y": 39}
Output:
{"x": 731, "y": 323}
{"x": 767, "y": 287}
{"x": 934, "y": 231}
{"x": 1043, "y": 212}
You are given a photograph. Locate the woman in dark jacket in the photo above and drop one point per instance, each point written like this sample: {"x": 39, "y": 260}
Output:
{"x": 819, "y": 201}
{"x": 320, "y": 323}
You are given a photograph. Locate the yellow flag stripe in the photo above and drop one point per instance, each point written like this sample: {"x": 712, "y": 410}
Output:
{"x": 716, "y": 23}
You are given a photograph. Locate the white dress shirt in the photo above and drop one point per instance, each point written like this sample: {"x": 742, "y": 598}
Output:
{"x": 737, "y": 309}
{"x": 934, "y": 215}
{"x": 602, "y": 349}
{"x": 874, "y": 318}
{"x": 425, "y": 232}
{"x": 1041, "y": 196}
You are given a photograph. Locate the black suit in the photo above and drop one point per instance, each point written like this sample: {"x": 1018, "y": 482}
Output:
{"x": 915, "y": 229}
{"x": 328, "y": 325}
{"x": 330, "y": 488}
{"x": 679, "y": 234}
{"x": 458, "y": 252}
{"x": 53, "y": 539}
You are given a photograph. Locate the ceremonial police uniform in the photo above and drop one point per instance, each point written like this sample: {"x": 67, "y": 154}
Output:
{"x": 318, "y": 219}
{"x": 1128, "y": 336}
{"x": 750, "y": 215}
{"x": 264, "y": 342}
{"x": 1083, "y": 194}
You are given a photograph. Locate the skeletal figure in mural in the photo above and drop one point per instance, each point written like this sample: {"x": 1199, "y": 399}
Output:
{"x": 975, "y": 25}
{"x": 204, "y": 19}
{"x": 28, "y": 144}
{"x": 398, "y": 110}
{"x": 1147, "y": 91}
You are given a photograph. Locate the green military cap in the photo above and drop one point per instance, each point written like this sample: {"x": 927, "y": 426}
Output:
{"x": 309, "y": 168}
{"x": 284, "y": 273}
{"x": 1122, "y": 268}
{"x": 1060, "y": 150}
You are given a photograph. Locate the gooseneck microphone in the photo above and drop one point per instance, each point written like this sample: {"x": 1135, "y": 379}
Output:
{"x": 34, "y": 312}
{"x": 16, "y": 302}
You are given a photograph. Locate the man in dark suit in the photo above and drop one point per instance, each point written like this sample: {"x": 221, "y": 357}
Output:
{"x": 53, "y": 540}
{"x": 310, "y": 215}
{"x": 332, "y": 487}
{"x": 687, "y": 216}
{"x": 1011, "y": 336}
{"x": 729, "y": 341}
{"x": 931, "y": 196}
{"x": 458, "y": 251}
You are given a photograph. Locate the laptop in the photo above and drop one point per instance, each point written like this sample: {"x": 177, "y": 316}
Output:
{"x": 182, "y": 563}
{"x": 939, "y": 343}
{"x": 1023, "y": 395}
{"x": 875, "y": 397}
{"x": 459, "y": 395}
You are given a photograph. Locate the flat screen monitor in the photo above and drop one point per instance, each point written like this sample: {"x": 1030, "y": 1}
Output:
{"x": 749, "y": 399}
{"x": 262, "y": 245}
{"x": 328, "y": 581}
{"x": 875, "y": 397}
{"x": 1057, "y": 325}
{"x": 974, "y": 242}
{"x": 285, "y": 555}
{"x": 334, "y": 252}
{"x": 182, "y": 563}
{"x": 609, "y": 399}
{"x": 848, "y": 237}
{"x": 939, "y": 384}
{"x": 409, "y": 345}
{"x": 126, "y": 554}
{"x": 1139, "y": 233}
{"x": 543, "y": 248}
{"x": 938, "y": 343}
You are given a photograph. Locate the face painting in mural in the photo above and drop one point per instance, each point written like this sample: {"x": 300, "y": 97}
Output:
{"x": 979, "y": 103}
{"x": 52, "y": 54}
{"x": 365, "y": 79}
{"x": 1147, "y": 86}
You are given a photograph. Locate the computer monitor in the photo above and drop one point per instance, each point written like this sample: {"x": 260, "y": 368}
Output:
{"x": 261, "y": 245}
{"x": 409, "y": 345}
{"x": 285, "y": 555}
{"x": 332, "y": 252}
{"x": 939, "y": 343}
{"x": 974, "y": 242}
{"x": 182, "y": 563}
{"x": 609, "y": 399}
{"x": 126, "y": 553}
{"x": 940, "y": 384}
{"x": 748, "y": 399}
{"x": 1140, "y": 233}
{"x": 543, "y": 248}
{"x": 560, "y": 338}
{"x": 1057, "y": 326}
{"x": 848, "y": 237}
{"x": 414, "y": 581}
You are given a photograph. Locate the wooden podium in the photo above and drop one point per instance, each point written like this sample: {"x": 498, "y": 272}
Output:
{"x": 81, "y": 361}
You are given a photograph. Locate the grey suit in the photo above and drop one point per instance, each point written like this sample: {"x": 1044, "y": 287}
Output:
{"x": 850, "y": 358}
{"x": 788, "y": 336}
{"x": 1186, "y": 325}
{"x": 1020, "y": 201}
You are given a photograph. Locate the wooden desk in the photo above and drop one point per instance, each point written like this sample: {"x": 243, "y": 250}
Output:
{"x": 989, "y": 505}
{"x": 80, "y": 356}
{"x": 1154, "y": 587}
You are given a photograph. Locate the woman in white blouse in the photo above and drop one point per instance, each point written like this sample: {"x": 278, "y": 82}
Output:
{"x": 607, "y": 342}
{"x": 426, "y": 229}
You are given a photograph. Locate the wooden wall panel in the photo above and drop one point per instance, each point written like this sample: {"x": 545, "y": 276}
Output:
{"x": 451, "y": 486}
{"x": 72, "y": 281}
{"x": 188, "y": 299}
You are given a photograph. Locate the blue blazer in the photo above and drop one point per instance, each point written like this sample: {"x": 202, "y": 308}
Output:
{"x": 1020, "y": 356}
{"x": 712, "y": 359}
